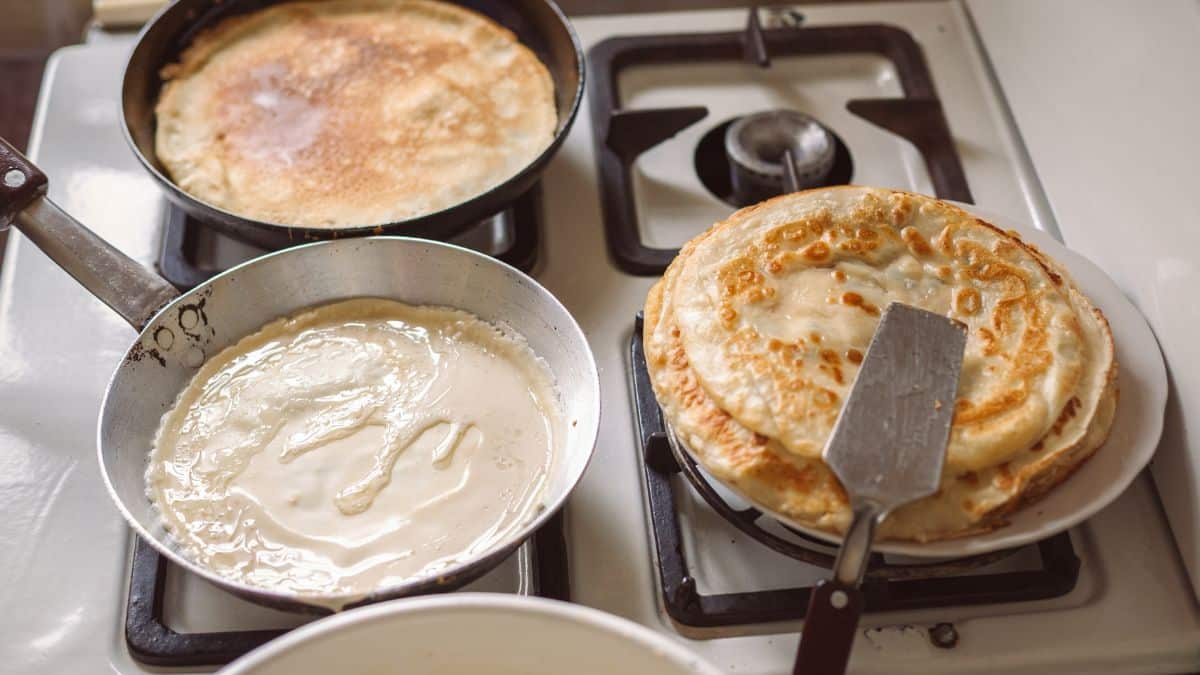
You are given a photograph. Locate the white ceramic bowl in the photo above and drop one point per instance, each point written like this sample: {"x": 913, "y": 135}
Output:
{"x": 476, "y": 633}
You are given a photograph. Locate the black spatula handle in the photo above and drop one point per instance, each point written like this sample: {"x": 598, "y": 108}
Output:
{"x": 829, "y": 629}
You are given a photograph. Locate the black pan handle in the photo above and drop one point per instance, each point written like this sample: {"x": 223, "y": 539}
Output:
{"x": 133, "y": 291}
{"x": 20, "y": 184}
{"x": 829, "y": 629}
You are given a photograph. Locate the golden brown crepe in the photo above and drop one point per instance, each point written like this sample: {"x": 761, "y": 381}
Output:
{"x": 341, "y": 113}
{"x": 754, "y": 335}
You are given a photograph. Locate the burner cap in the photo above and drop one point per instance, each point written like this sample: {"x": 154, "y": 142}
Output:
{"x": 756, "y": 144}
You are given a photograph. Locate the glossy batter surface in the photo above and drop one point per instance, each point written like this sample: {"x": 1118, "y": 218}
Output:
{"x": 354, "y": 446}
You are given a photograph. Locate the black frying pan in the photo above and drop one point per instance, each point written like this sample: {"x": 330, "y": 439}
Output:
{"x": 538, "y": 24}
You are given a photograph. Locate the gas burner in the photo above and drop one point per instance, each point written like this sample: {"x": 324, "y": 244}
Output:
{"x": 821, "y": 155}
{"x": 620, "y": 135}
{"x": 888, "y": 585}
{"x": 192, "y": 253}
{"x": 761, "y": 146}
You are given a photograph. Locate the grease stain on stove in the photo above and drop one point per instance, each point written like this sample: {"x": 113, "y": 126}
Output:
{"x": 901, "y": 639}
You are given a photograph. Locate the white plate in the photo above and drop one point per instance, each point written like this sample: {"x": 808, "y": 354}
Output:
{"x": 1142, "y": 378}
{"x": 472, "y": 633}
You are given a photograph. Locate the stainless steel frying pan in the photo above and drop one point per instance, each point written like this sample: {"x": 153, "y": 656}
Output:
{"x": 177, "y": 333}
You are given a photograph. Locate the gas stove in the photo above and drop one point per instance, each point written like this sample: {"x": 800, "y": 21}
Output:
{"x": 644, "y": 536}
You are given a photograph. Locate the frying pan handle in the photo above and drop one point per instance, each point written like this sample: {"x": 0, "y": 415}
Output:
{"x": 121, "y": 283}
{"x": 20, "y": 184}
{"x": 829, "y": 629}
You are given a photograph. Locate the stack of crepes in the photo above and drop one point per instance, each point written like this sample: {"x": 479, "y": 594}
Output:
{"x": 755, "y": 333}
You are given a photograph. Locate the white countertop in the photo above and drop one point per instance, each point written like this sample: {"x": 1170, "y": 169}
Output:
{"x": 1107, "y": 98}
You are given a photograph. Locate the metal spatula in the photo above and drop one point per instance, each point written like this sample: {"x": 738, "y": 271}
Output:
{"x": 887, "y": 448}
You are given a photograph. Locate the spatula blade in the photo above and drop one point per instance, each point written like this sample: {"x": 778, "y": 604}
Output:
{"x": 889, "y": 442}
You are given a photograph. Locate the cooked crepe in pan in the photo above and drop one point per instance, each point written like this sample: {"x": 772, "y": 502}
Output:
{"x": 754, "y": 335}
{"x": 347, "y": 113}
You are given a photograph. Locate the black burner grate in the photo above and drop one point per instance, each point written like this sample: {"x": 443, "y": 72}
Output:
{"x": 512, "y": 236}
{"x": 152, "y": 642}
{"x": 886, "y": 587}
{"x": 619, "y": 135}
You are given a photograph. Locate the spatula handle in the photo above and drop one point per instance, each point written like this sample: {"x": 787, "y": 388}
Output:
{"x": 829, "y": 629}
{"x": 835, "y": 605}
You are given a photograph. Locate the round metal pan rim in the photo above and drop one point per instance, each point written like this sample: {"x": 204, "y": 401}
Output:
{"x": 465, "y": 571}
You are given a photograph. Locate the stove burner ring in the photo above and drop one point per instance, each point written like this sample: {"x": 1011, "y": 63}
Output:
{"x": 756, "y": 146}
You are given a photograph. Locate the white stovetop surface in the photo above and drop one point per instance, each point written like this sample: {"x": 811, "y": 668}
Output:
{"x": 1116, "y": 144}
{"x": 64, "y": 548}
